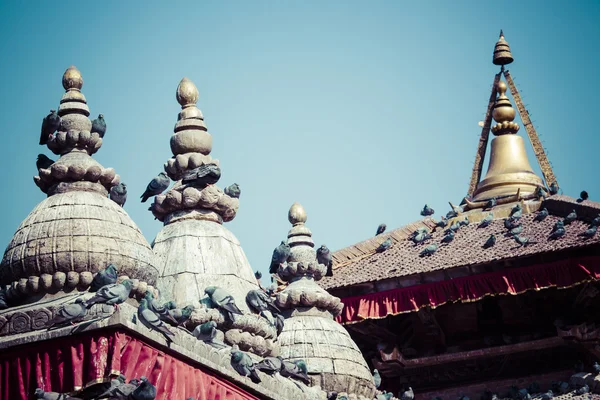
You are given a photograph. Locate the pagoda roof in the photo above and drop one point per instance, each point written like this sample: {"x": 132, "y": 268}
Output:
{"x": 360, "y": 264}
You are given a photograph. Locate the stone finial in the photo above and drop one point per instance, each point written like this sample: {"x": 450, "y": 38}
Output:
{"x": 297, "y": 214}
{"x": 187, "y": 93}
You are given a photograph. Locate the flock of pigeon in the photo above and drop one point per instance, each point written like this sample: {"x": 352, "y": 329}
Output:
{"x": 513, "y": 226}
{"x": 282, "y": 253}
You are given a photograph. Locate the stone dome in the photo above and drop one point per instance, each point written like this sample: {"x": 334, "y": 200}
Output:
{"x": 77, "y": 231}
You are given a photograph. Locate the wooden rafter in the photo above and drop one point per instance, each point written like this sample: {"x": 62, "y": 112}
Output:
{"x": 538, "y": 149}
{"x": 483, "y": 140}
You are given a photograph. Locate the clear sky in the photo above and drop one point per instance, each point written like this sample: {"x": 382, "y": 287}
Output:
{"x": 361, "y": 111}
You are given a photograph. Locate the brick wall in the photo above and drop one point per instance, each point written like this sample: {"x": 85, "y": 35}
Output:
{"x": 475, "y": 390}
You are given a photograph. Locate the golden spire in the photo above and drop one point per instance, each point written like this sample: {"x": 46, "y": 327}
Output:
{"x": 502, "y": 54}
{"x": 72, "y": 79}
{"x": 504, "y": 113}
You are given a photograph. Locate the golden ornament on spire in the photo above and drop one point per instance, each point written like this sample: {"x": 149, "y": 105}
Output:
{"x": 504, "y": 113}
{"x": 72, "y": 79}
{"x": 187, "y": 93}
{"x": 297, "y": 214}
{"x": 502, "y": 54}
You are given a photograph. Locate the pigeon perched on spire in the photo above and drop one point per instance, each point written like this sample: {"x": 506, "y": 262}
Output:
{"x": 491, "y": 203}
{"x": 156, "y": 186}
{"x": 223, "y": 300}
{"x": 207, "y": 332}
{"x": 202, "y": 176}
{"x": 553, "y": 188}
{"x": 104, "y": 277}
{"x": 118, "y": 194}
{"x": 259, "y": 301}
{"x": 113, "y": 294}
{"x": 280, "y": 255}
{"x": 151, "y": 320}
{"x": 233, "y": 190}
{"x": 43, "y": 162}
{"x": 324, "y": 257}
{"x": 244, "y": 365}
{"x": 99, "y": 125}
{"x": 69, "y": 314}
{"x": 50, "y": 124}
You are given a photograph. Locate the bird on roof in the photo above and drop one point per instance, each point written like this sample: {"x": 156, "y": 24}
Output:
{"x": 280, "y": 255}
{"x": 451, "y": 214}
{"x": 408, "y": 394}
{"x": 376, "y": 378}
{"x": 490, "y": 242}
{"x": 511, "y": 222}
{"x": 385, "y": 245}
{"x": 558, "y": 233}
{"x": 112, "y": 390}
{"x": 324, "y": 257}
{"x": 259, "y": 301}
{"x": 420, "y": 237}
{"x": 596, "y": 221}
{"x": 99, "y": 126}
{"x": 516, "y": 211}
{"x": 442, "y": 223}
{"x": 223, "y": 301}
{"x": 427, "y": 211}
{"x": 429, "y": 250}
{"x": 589, "y": 233}
{"x": 553, "y": 188}
{"x": 449, "y": 237}
{"x": 244, "y": 365}
{"x": 161, "y": 310}
{"x": 491, "y": 203}
{"x": 454, "y": 227}
{"x": 207, "y": 332}
{"x": 145, "y": 391}
{"x": 113, "y": 294}
{"x": 233, "y": 190}
{"x": 295, "y": 369}
{"x": 380, "y": 229}
{"x": 156, "y": 186}
{"x": 540, "y": 193}
{"x": 464, "y": 222}
{"x": 486, "y": 220}
{"x": 43, "y": 162}
{"x": 50, "y": 124}
{"x": 517, "y": 230}
{"x": 270, "y": 365}
{"x": 570, "y": 218}
{"x": 180, "y": 315}
{"x": 69, "y": 314}
{"x": 149, "y": 319}
{"x": 583, "y": 196}
{"x": 541, "y": 215}
{"x": 523, "y": 241}
{"x": 202, "y": 176}
{"x": 118, "y": 194}
{"x": 558, "y": 224}
{"x": 104, "y": 277}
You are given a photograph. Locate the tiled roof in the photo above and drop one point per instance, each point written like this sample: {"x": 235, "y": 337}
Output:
{"x": 360, "y": 264}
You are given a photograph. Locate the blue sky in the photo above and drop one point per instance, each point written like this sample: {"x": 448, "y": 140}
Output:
{"x": 361, "y": 111}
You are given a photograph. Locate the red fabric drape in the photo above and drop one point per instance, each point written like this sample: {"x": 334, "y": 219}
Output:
{"x": 68, "y": 364}
{"x": 559, "y": 274}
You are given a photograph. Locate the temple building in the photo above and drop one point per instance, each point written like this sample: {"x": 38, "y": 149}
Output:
{"x": 499, "y": 299}
{"x": 500, "y": 295}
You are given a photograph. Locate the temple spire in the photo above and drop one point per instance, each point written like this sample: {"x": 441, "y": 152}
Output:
{"x": 502, "y": 54}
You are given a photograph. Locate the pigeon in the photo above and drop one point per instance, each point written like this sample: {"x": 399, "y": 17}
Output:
{"x": 50, "y": 124}
{"x": 486, "y": 220}
{"x": 43, "y": 162}
{"x": 260, "y": 301}
{"x": 332, "y": 396}
{"x": 523, "y": 241}
{"x": 516, "y": 211}
{"x": 510, "y": 223}
{"x": 376, "y": 378}
{"x": 118, "y": 194}
{"x": 523, "y": 394}
{"x": 223, "y": 300}
{"x": 69, "y": 313}
{"x": 258, "y": 275}
{"x": 596, "y": 221}
{"x": 295, "y": 369}
{"x": 207, "y": 332}
{"x": 149, "y": 319}
{"x": 540, "y": 193}
{"x": 233, "y": 191}
{"x": 324, "y": 257}
{"x": 589, "y": 233}
{"x": 161, "y": 311}
{"x": 464, "y": 222}
{"x": 280, "y": 255}
{"x": 558, "y": 233}
{"x": 442, "y": 223}
{"x": 541, "y": 215}
{"x": 451, "y": 214}
{"x": 279, "y": 322}
{"x": 582, "y": 390}
{"x": 407, "y": 394}
{"x": 427, "y": 211}
{"x": 270, "y": 365}
{"x": 570, "y": 218}
{"x": 145, "y": 391}
{"x": 517, "y": 230}
{"x": 553, "y": 188}
{"x": 380, "y": 229}
{"x": 548, "y": 395}
{"x": 596, "y": 367}
{"x": 3, "y": 301}
{"x": 454, "y": 227}
{"x": 202, "y": 176}
{"x": 583, "y": 196}
{"x": 429, "y": 250}
{"x": 244, "y": 365}
{"x": 158, "y": 185}
{"x": 558, "y": 224}
{"x": 99, "y": 125}
{"x": 420, "y": 237}
{"x": 112, "y": 294}
{"x": 179, "y": 315}
{"x": 448, "y": 238}
{"x": 491, "y": 203}
{"x": 112, "y": 390}
{"x": 107, "y": 276}
{"x": 386, "y": 244}
{"x": 490, "y": 242}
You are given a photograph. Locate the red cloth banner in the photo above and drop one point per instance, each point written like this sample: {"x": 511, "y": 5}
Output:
{"x": 561, "y": 274}
{"x": 68, "y": 364}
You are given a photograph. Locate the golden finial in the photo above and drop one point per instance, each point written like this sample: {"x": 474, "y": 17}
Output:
{"x": 72, "y": 79}
{"x": 297, "y": 214}
{"x": 187, "y": 93}
{"x": 502, "y": 54}
{"x": 504, "y": 113}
